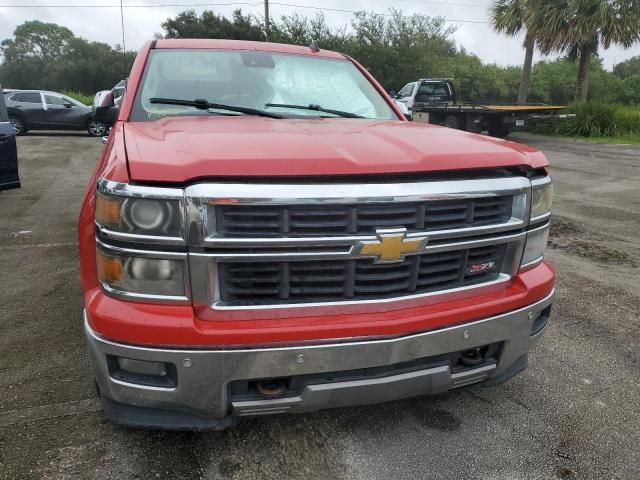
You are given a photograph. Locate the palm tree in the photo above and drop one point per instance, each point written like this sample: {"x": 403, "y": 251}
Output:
{"x": 508, "y": 16}
{"x": 580, "y": 27}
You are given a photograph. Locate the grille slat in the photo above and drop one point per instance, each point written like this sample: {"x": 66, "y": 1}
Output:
{"x": 311, "y": 281}
{"x": 318, "y": 224}
{"x": 379, "y": 277}
{"x": 360, "y": 219}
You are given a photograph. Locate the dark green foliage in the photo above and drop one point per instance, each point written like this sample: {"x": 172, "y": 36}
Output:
{"x": 596, "y": 119}
{"x": 209, "y": 25}
{"x": 628, "y": 68}
{"x": 592, "y": 120}
{"x": 50, "y": 57}
{"x": 87, "y": 99}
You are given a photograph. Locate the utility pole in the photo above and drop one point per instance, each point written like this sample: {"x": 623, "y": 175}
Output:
{"x": 266, "y": 20}
{"x": 124, "y": 48}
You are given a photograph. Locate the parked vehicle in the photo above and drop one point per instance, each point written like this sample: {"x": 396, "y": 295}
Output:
{"x": 434, "y": 100}
{"x": 266, "y": 233}
{"x": 8, "y": 151}
{"x": 43, "y": 110}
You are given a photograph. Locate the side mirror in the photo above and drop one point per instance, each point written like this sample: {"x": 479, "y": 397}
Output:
{"x": 68, "y": 105}
{"x": 393, "y": 93}
{"x": 106, "y": 99}
{"x": 104, "y": 109}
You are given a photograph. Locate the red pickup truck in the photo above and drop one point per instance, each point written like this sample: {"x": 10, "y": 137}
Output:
{"x": 265, "y": 233}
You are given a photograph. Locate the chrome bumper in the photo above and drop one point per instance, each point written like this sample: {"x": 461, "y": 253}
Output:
{"x": 200, "y": 400}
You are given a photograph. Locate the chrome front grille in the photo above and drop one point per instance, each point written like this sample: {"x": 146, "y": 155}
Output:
{"x": 310, "y": 281}
{"x": 250, "y": 221}
{"x": 280, "y": 246}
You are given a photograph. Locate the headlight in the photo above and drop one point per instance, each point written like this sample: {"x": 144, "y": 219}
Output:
{"x": 541, "y": 197}
{"x": 534, "y": 248}
{"x": 139, "y": 216}
{"x": 142, "y": 275}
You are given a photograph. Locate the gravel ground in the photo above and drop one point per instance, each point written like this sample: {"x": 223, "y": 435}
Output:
{"x": 575, "y": 413}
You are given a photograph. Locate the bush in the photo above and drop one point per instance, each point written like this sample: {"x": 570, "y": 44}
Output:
{"x": 627, "y": 120}
{"x": 81, "y": 97}
{"x": 592, "y": 120}
{"x": 596, "y": 120}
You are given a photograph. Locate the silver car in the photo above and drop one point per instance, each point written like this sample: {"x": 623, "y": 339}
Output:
{"x": 44, "y": 110}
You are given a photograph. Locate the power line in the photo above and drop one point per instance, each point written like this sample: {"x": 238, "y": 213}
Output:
{"x": 453, "y": 4}
{"x": 250, "y": 4}
{"x": 327, "y": 9}
{"x": 59, "y": 5}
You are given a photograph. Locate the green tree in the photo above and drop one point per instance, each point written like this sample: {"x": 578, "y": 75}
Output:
{"x": 44, "y": 42}
{"x": 554, "y": 81}
{"x": 580, "y": 27}
{"x": 49, "y": 56}
{"x": 399, "y": 49}
{"x": 630, "y": 90}
{"x": 508, "y": 16}
{"x": 628, "y": 67}
{"x": 210, "y": 25}
{"x": 298, "y": 30}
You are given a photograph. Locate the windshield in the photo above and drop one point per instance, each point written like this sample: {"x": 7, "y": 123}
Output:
{"x": 254, "y": 80}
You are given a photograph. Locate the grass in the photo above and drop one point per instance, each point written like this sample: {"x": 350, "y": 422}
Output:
{"x": 617, "y": 140}
{"x": 81, "y": 97}
{"x": 599, "y": 122}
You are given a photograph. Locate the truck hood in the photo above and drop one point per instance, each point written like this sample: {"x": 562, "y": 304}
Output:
{"x": 184, "y": 149}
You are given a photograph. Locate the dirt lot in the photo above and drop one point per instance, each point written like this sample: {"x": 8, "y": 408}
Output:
{"x": 574, "y": 414}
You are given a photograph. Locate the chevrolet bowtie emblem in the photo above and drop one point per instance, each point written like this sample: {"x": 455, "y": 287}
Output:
{"x": 391, "y": 246}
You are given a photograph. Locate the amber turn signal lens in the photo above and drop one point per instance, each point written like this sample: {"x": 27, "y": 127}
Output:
{"x": 109, "y": 268}
{"x": 108, "y": 210}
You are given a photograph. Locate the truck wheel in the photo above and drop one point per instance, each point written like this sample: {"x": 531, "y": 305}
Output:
{"x": 452, "y": 122}
{"x": 499, "y": 131}
{"x": 96, "y": 129}
{"x": 18, "y": 125}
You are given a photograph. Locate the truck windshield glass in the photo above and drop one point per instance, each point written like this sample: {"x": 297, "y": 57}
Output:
{"x": 254, "y": 80}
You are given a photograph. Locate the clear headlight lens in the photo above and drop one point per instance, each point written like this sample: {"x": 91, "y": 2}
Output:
{"x": 541, "y": 197}
{"x": 141, "y": 276}
{"x": 139, "y": 216}
{"x": 536, "y": 243}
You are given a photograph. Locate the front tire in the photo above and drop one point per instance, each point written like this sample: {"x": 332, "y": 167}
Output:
{"x": 96, "y": 129}
{"x": 499, "y": 131}
{"x": 452, "y": 121}
{"x": 18, "y": 125}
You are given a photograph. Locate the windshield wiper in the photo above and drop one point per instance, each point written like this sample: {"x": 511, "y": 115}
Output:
{"x": 202, "y": 104}
{"x": 315, "y": 108}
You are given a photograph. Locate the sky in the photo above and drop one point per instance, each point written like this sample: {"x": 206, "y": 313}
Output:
{"x": 99, "y": 20}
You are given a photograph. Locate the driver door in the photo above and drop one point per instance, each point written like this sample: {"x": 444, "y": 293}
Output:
{"x": 61, "y": 113}
{"x": 405, "y": 95}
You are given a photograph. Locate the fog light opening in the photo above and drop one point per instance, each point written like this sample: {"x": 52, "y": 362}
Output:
{"x": 142, "y": 372}
{"x": 540, "y": 320}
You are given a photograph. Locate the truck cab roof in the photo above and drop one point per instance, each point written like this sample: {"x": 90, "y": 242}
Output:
{"x": 219, "y": 44}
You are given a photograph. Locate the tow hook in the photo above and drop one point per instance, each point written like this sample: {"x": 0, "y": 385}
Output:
{"x": 471, "y": 357}
{"x": 271, "y": 388}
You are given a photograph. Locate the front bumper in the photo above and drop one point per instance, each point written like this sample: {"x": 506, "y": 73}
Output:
{"x": 201, "y": 399}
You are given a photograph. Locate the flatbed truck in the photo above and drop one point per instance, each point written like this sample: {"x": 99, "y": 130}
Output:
{"x": 434, "y": 100}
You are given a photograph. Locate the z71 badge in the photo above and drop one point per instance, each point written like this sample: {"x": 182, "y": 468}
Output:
{"x": 481, "y": 267}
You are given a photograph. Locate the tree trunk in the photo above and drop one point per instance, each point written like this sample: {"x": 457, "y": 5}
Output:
{"x": 584, "y": 68}
{"x": 525, "y": 82}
